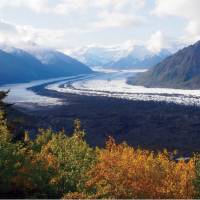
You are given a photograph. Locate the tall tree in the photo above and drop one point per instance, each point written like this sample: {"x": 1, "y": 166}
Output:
{"x": 3, "y": 105}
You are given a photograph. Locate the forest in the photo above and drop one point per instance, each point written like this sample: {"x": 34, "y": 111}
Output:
{"x": 55, "y": 165}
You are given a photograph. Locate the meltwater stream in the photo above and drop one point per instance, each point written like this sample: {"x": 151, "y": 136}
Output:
{"x": 21, "y": 95}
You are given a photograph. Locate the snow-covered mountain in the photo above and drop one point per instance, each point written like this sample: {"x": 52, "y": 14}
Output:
{"x": 140, "y": 60}
{"x": 99, "y": 55}
{"x": 119, "y": 56}
{"x": 57, "y": 62}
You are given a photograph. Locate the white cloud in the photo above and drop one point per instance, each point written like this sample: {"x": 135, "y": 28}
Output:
{"x": 69, "y": 6}
{"x": 185, "y": 9}
{"x": 63, "y": 7}
{"x": 157, "y": 42}
{"x": 86, "y": 18}
{"x": 6, "y": 27}
{"x": 66, "y": 7}
{"x": 118, "y": 13}
{"x": 192, "y": 31}
{"x": 25, "y": 35}
{"x": 101, "y": 13}
{"x": 121, "y": 5}
{"x": 34, "y": 5}
{"x": 116, "y": 19}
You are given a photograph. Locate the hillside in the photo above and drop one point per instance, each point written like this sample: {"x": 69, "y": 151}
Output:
{"x": 181, "y": 70}
{"x": 18, "y": 66}
{"x": 58, "y": 63}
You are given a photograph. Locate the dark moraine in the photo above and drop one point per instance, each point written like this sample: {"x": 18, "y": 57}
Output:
{"x": 150, "y": 125}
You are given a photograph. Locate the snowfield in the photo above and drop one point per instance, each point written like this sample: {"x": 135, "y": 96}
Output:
{"x": 113, "y": 84}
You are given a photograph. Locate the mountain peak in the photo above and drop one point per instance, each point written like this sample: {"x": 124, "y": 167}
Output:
{"x": 197, "y": 43}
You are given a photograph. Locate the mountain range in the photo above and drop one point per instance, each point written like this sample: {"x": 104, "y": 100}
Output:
{"x": 98, "y": 55}
{"x": 120, "y": 57}
{"x": 18, "y": 65}
{"x": 132, "y": 61}
{"x": 181, "y": 70}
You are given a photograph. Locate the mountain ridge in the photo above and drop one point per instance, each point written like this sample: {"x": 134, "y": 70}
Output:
{"x": 120, "y": 57}
{"x": 148, "y": 61}
{"x": 18, "y": 66}
{"x": 180, "y": 70}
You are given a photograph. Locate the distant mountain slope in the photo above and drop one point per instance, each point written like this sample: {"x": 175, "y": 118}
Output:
{"x": 98, "y": 55}
{"x": 17, "y": 66}
{"x": 15, "y": 69}
{"x": 181, "y": 70}
{"x": 120, "y": 57}
{"x": 132, "y": 61}
{"x": 58, "y": 63}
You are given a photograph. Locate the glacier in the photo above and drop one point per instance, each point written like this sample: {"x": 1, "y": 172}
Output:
{"x": 114, "y": 84}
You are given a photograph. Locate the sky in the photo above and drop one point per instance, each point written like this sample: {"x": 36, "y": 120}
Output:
{"x": 69, "y": 24}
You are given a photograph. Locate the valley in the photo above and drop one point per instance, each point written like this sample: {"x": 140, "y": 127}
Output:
{"x": 106, "y": 105}
{"x": 99, "y": 99}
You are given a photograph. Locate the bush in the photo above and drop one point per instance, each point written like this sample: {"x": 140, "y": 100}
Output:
{"x": 69, "y": 159}
{"x": 11, "y": 158}
{"x": 123, "y": 172}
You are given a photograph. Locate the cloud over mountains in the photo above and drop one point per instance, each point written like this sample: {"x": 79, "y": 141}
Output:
{"x": 65, "y": 24}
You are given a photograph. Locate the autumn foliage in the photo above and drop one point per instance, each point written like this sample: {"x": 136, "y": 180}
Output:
{"x": 55, "y": 165}
{"x": 123, "y": 172}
